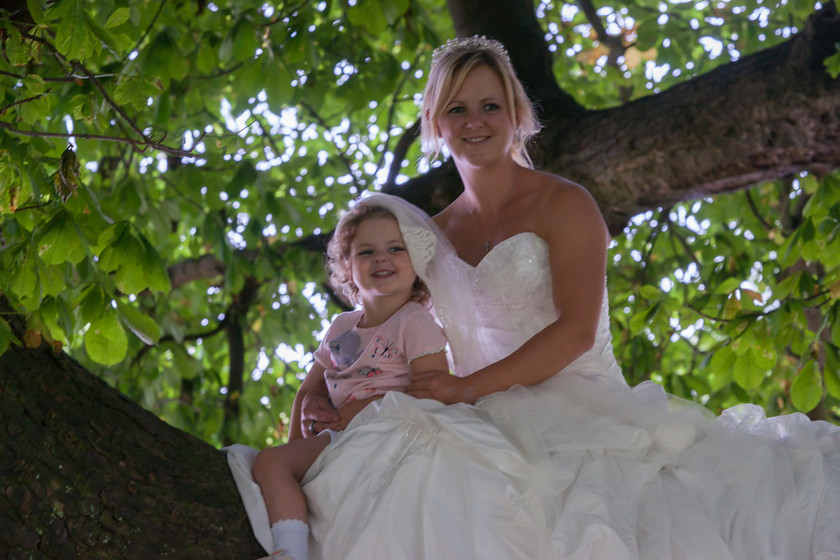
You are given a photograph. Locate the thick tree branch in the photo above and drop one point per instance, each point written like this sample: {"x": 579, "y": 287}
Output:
{"x": 74, "y": 488}
{"x": 769, "y": 115}
{"x": 772, "y": 114}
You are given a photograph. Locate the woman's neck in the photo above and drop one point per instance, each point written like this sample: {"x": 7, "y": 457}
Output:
{"x": 487, "y": 188}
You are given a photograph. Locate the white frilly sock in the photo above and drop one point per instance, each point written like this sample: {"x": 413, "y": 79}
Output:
{"x": 292, "y": 537}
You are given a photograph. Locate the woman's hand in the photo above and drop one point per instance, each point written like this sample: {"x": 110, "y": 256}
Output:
{"x": 316, "y": 413}
{"x": 441, "y": 386}
{"x": 347, "y": 412}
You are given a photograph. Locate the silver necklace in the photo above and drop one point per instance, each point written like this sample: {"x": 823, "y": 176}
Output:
{"x": 488, "y": 243}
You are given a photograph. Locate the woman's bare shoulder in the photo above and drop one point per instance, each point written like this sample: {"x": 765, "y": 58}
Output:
{"x": 553, "y": 196}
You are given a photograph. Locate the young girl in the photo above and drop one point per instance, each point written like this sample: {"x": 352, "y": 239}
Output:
{"x": 364, "y": 354}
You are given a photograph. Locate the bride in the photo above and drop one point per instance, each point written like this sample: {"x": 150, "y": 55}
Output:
{"x": 537, "y": 448}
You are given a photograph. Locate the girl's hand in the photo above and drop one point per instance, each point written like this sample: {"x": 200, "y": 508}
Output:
{"x": 440, "y": 386}
{"x": 316, "y": 413}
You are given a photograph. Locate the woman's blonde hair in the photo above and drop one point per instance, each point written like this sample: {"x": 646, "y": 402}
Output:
{"x": 338, "y": 254}
{"x": 450, "y": 65}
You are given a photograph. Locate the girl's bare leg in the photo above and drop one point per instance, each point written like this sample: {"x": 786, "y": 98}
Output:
{"x": 279, "y": 470}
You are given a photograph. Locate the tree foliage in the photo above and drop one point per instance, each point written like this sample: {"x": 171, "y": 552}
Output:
{"x": 169, "y": 171}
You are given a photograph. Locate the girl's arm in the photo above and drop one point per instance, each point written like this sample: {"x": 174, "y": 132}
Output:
{"x": 570, "y": 221}
{"x": 312, "y": 402}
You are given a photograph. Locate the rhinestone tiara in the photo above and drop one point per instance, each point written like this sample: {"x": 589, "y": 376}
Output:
{"x": 476, "y": 42}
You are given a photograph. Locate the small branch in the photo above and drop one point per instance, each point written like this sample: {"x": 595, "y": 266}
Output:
{"x": 400, "y": 150}
{"x": 755, "y": 211}
{"x": 21, "y": 101}
{"x": 280, "y": 17}
{"x": 340, "y": 153}
{"x": 391, "y": 111}
{"x": 189, "y": 337}
{"x": 221, "y": 73}
{"x": 79, "y": 67}
{"x": 268, "y": 137}
{"x": 133, "y": 143}
{"x": 614, "y": 44}
{"x": 149, "y": 28}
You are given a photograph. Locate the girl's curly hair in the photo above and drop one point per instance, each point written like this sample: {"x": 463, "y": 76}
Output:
{"x": 338, "y": 255}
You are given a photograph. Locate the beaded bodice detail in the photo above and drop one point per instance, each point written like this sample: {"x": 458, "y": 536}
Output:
{"x": 510, "y": 300}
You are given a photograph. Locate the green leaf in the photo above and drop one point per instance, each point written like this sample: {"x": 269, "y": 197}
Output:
{"x": 806, "y": 391}
{"x": 56, "y": 317}
{"x": 650, "y": 292}
{"x": 73, "y": 37}
{"x": 60, "y": 241}
{"x": 154, "y": 269}
{"x": 119, "y": 42}
{"x": 140, "y": 324}
{"x": 36, "y": 10}
{"x": 187, "y": 366}
{"x": 34, "y": 84}
{"x": 7, "y": 337}
{"x": 24, "y": 282}
{"x": 831, "y": 373}
{"x": 135, "y": 263}
{"x": 370, "y": 15}
{"x": 91, "y": 304}
{"x": 105, "y": 340}
{"x": 17, "y": 51}
{"x": 245, "y": 41}
{"x": 117, "y": 18}
{"x": 277, "y": 82}
{"x": 135, "y": 91}
{"x": 206, "y": 59}
{"x": 52, "y": 279}
{"x": 728, "y": 286}
{"x": 721, "y": 367}
{"x": 749, "y": 373}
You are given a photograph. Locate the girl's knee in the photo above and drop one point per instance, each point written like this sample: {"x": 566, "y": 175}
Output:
{"x": 264, "y": 463}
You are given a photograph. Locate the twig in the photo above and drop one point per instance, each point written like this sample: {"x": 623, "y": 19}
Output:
{"x": 391, "y": 111}
{"x": 614, "y": 43}
{"x": 149, "y": 28}
{"x": 134, "y": 143}
{"x": 21, "y": 101}
{"x": 341, "y": 154}
{"x": 399, "y": 152}
{"x": 755, "y": 211}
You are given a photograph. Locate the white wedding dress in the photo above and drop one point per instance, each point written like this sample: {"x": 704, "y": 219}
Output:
{"x": 581, "y": 466}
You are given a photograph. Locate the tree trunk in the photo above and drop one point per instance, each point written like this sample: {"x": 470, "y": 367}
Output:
{"x": 88, "y": 474}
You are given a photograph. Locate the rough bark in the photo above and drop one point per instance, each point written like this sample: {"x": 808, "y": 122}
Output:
{"x": 86, "y": 473}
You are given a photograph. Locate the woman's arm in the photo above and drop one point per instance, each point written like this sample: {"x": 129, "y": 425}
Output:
{"x": 570, "y": 221}
{"x": 312, "y": 402}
